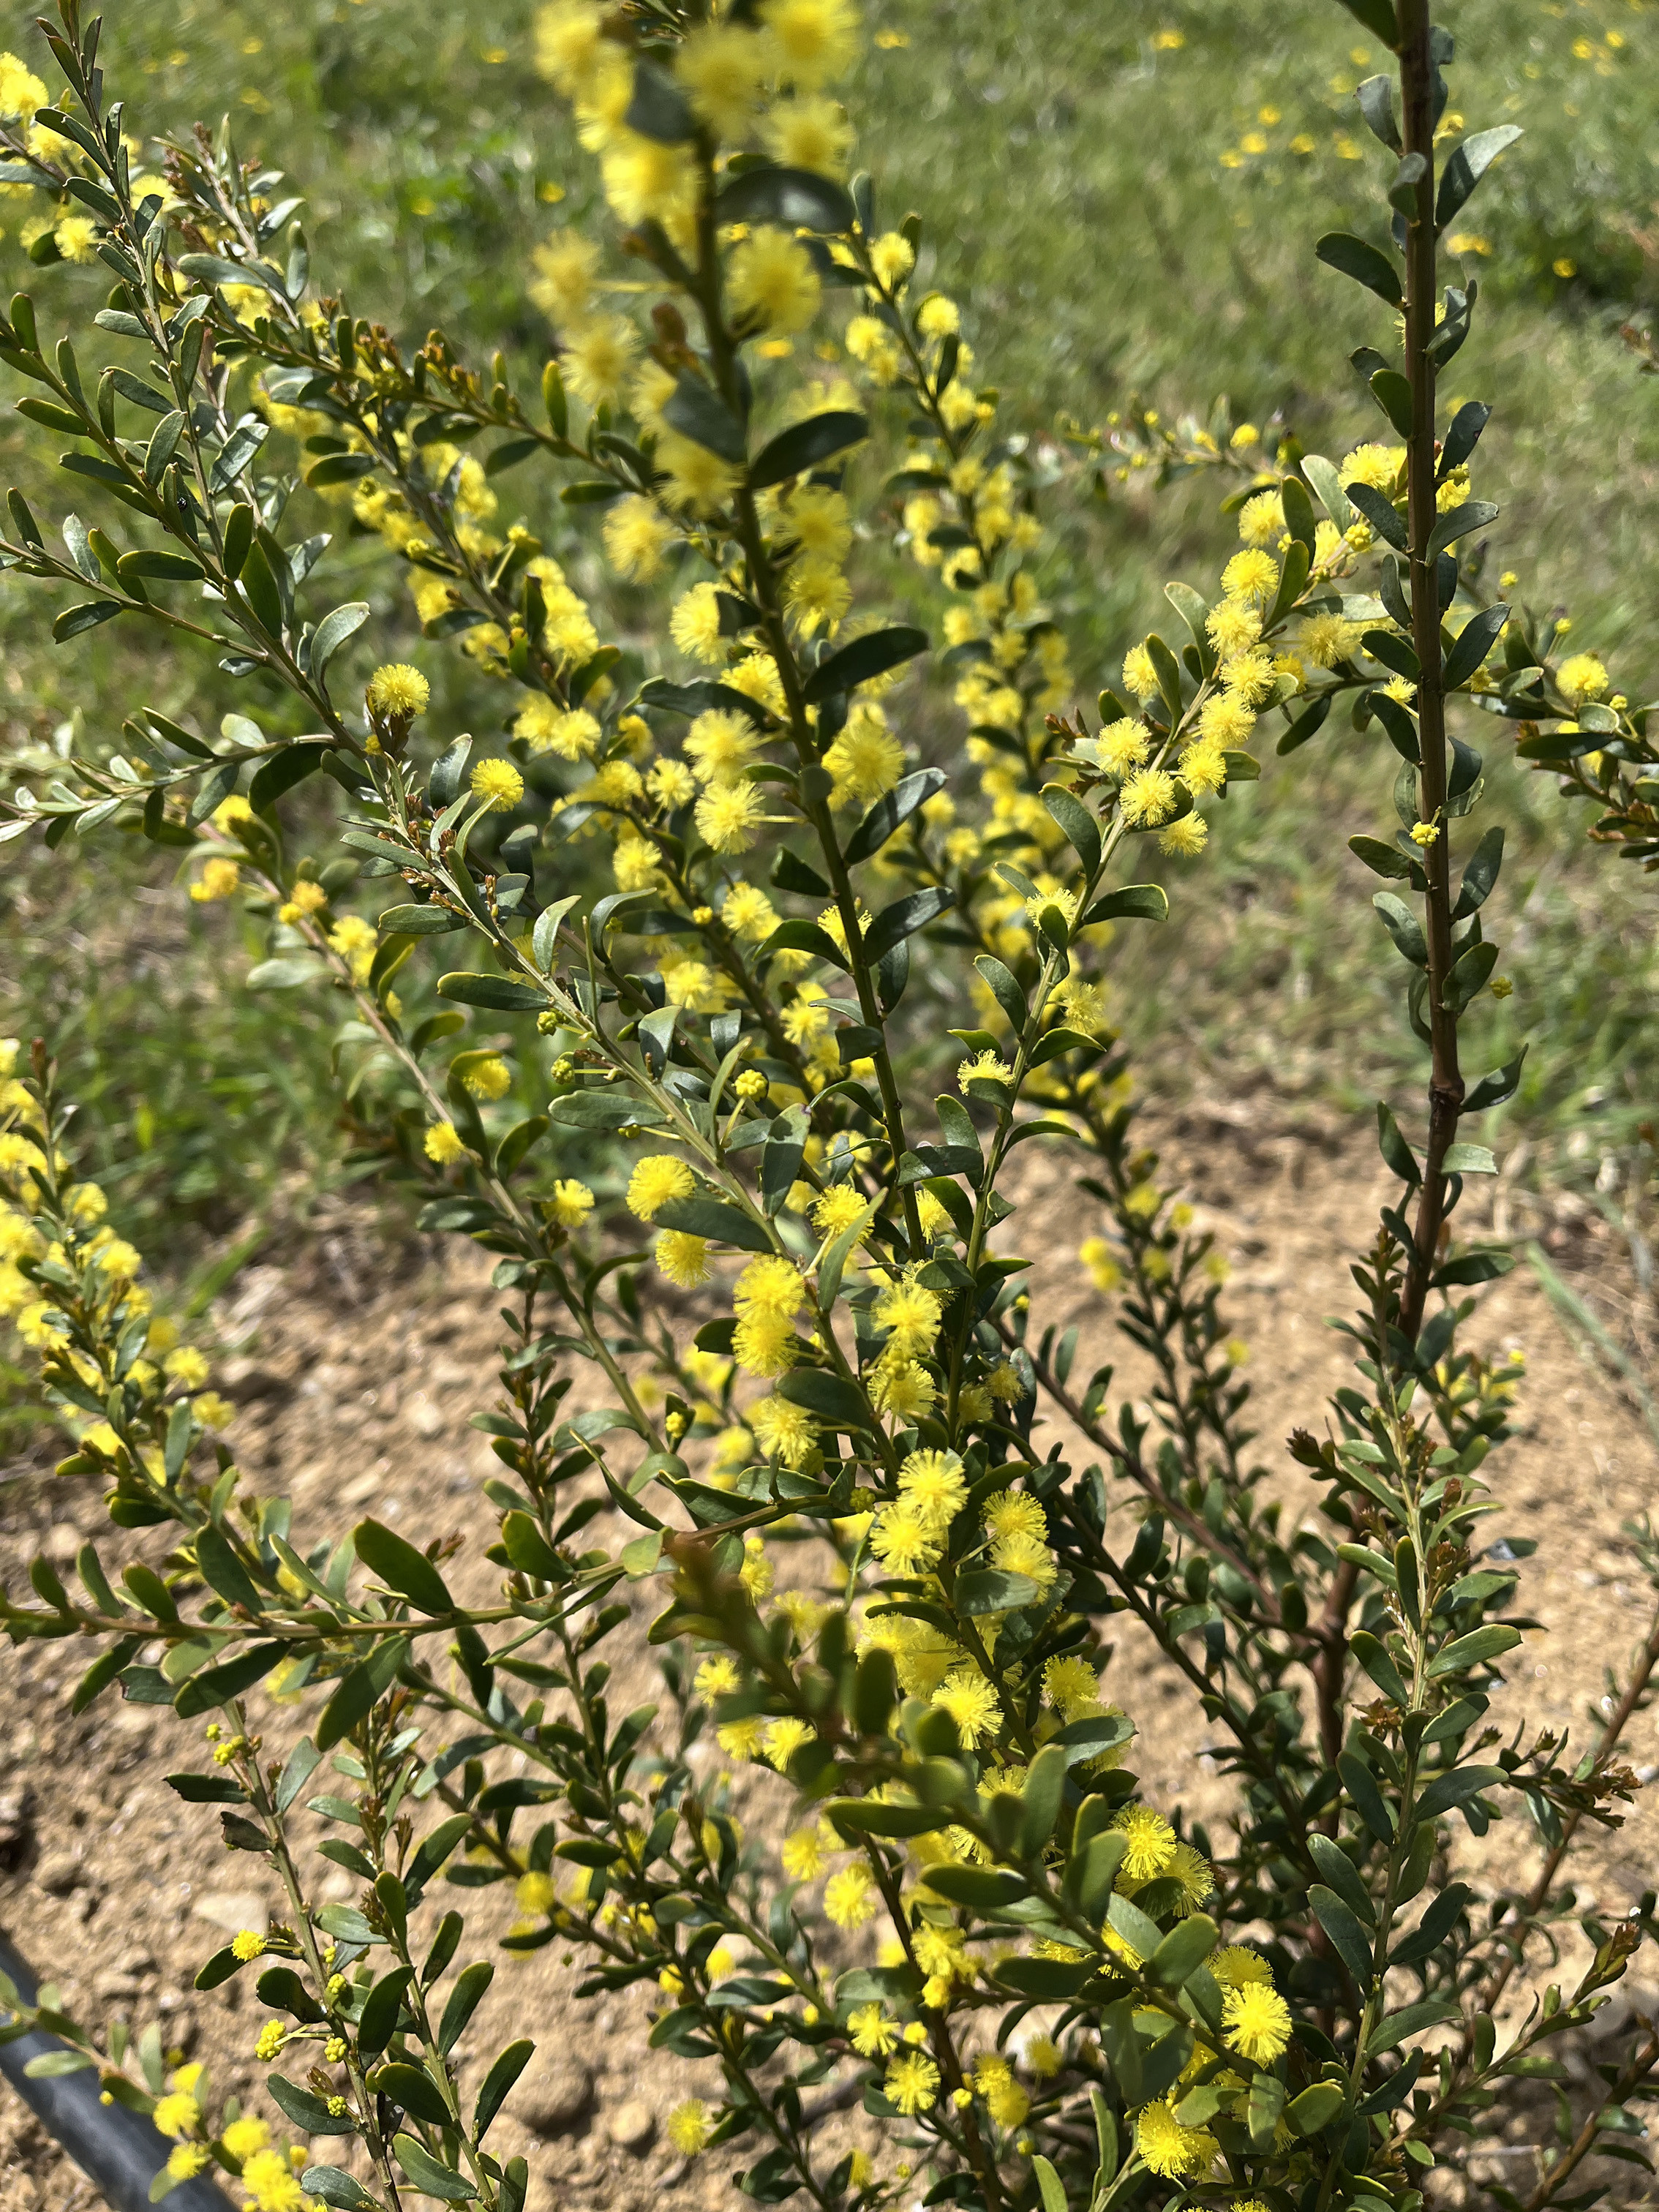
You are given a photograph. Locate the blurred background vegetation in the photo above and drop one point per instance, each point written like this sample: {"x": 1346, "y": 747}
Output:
{"x": 1127, "y": 200}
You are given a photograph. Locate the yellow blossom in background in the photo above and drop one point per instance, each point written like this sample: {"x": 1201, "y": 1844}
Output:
{"x": 850, "y": 1897}
{"x": 219, "y": 879}
{"x": 442, "y": 1144}
{"x": 177, "y": 2113}
{"x": 636, "y": 539}
{"x": 690, "y": 2127}
{"x": 487, "y": 1078}
{"x": 770, "y": 280}
{"x": 810, "y": 41}
{"x": 241, "y": 2138}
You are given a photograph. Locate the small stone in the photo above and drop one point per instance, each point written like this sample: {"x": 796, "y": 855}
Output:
{"x": 246, "y": 1380}
{"x": 232, "y": 1910}
{"x": 425, "y": 1420}
{"x": 632, "y": 2125}
{"x": 116, "y": 1988}
{"x": 58, "y": 1871}
{"x": 555, "y": 2096}
{"x": 61, "y": 1543}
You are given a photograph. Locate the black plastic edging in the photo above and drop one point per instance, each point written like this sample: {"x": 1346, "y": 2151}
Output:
{"x": 120, "y": 2150}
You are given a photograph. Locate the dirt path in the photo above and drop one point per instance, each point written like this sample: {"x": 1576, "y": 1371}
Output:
{"x": 357, "y": 1366}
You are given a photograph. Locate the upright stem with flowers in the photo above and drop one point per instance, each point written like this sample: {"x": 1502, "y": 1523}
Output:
{"x": 1042, "y": 1986}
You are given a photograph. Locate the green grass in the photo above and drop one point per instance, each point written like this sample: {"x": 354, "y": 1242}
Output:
{"x": 1095, "y": 199}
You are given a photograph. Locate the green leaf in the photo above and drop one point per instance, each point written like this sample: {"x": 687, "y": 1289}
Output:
{"x": 222, "y": 1572}
{"x": 1134, "y": 901}
{"x": 1391, "y": 2032}
{"x": 332, "y": 632}
{"x": 496, "y": 991}
{"x": 1379, "y": 510}
{"x": 803, "y": 446}
{"x": 1341, "y": 1923}
{"x": 1477, "y": 1648}
{"x": 336, "y": 2187}
{"x": 1383, "y": 860}
{"x": 1471, "y": 1267}
{"x": 216, "y": 268}
{"x": 699, "y": 413}
{"x": 1183, "y": 1951}
{"x": 413, "y": 2089}
{"x": 1467, "y": 165}
{"x": 1361, "y": 1785}
{"x": 359, "y": 1690}
{"x": 1458, "y": 521}
{"x": 994, "y": 1590}
{"x": 1317, "y": 2106}
{"x": 1352, "y": 257}
{"x": 422, "y": 2169}
{"x": 1403, "y": 925}
{"x": 1492, "y": 1090}
{"x": 1323, "y": 475}
{"x": 216, "y": 1686}
{"x": 339, "y": 469}
{"x": 207, "y": 1789}
{"x": 258, "y": 587}
{"x": 154, "y": 564}
{"x": 1470, "y": 1159}
{"x": 218, "y": 1969}
{"x": 401, "y": 1567}
{"x": 1373, "y": 1656}
{"x": 1127, "y": 1920}
{"x": 1307, "y": 725}
{"x": 888, "y": 813}
{"x": 1480, "y": 874}
{"x": 1342, "y": 1874}
{"x": 871, "y": 655}
{"x": 829, "y": 1398}
{"x": 982, "y": 1889}
{"x": 1082, "y": 830}
{"x": 1049, "y": 2185}
{"x": 794, "y": 199}
{"x": 863, "y": 1816}
{"x": 804, "y": 937}
{"x": 419, "y": 921}
{"x": 282, "y": 772}
{"x": 284, "y": 974}
{"x": 1474, "y": 641}
{"x": 87, "y": 616}
{"x": 464, "y": 2001}
{"x": 1468, "y": 974}
{"x": 904, "y": 917}
{"x": 603, "y": 1109}
{"x": 1435, "y": 1927}
{"x": 710, "y": 1217}
{"x": 302, "y": 1762}
{"x": 529, "y": 1550}
{"x": 1378, "y": 17}
{"x": 1263, "y": 2110}
{"x": 309, "y": 2112}
{"x": 497, "y": 2083}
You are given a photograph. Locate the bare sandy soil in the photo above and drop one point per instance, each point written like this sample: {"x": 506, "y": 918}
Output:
{"x": 356, "y": 1366}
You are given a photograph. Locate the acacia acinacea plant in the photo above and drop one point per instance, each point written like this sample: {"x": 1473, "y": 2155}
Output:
{"x": 699, "y": 898}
